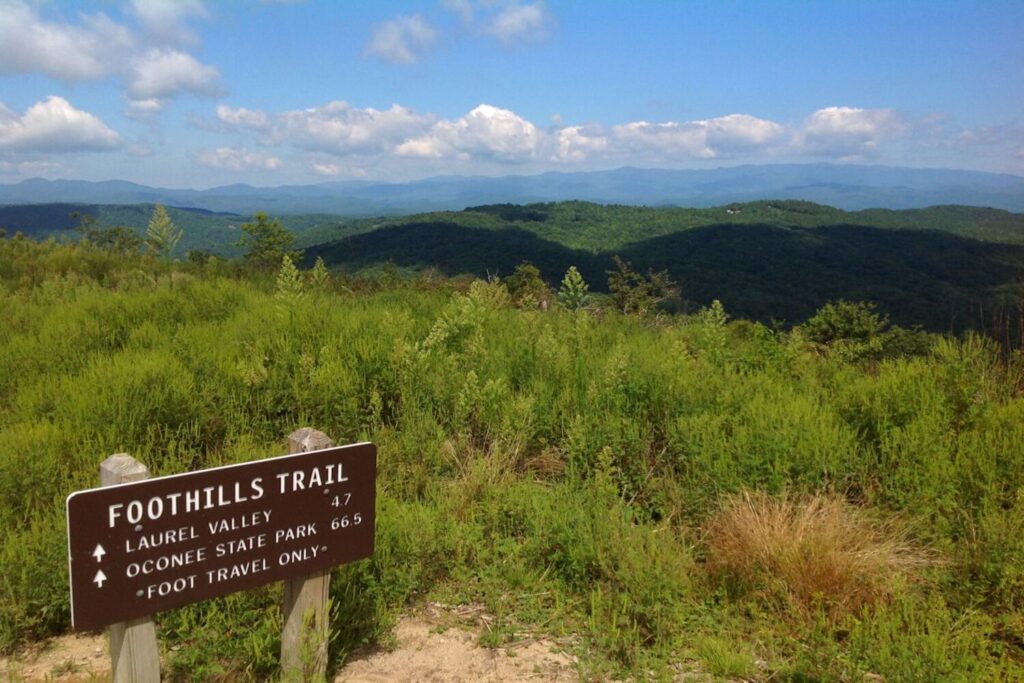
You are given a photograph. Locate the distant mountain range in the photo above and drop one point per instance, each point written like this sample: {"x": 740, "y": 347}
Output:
{"x": 850, "y": 187}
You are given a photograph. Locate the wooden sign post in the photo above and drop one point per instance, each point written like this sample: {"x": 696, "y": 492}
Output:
{"x": 137, "y": 546}
{"x": 134, "y": 655}
{"x": 306, "y": 612}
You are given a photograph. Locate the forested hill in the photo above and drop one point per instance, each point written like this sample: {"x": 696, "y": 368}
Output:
{"x": 203, "y": 229}
{"x": 765, "y": 260}
{"x": 943, "y": 267}
{"x": 211, "y": 231}
{"x": 575, "y": 224}
{"x": 596, "y": 227}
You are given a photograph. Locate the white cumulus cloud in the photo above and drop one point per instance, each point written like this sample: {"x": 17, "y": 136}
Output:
{"x": 143, "y": 109}
{"x": 512, "y": 22}
{"x": 700, "y": 139}
{"x": 487, "y": 131}
{"x": 739, "y": 132}
{"x": 96, "y": 47}
{"x": 234, "y": 159}
{"x": 493, "y": 134}
{"x": 166, "y": 20}
{"x": 162, "y": 73}
{"x": 576, "y": 143}
{"x": 426, "y": 147}
{"x": 54, "y": 125}
{"x": 670, "y": 139}
{"x": 335, "y": 128}
{"x": 516, "y": 23}
{"x": 849, "y": 131}
{"x": 247, "y": 118}
{"x": 402, "y": 40}
{"x": 92, "y": 49}
{"x": 490, "y": 137}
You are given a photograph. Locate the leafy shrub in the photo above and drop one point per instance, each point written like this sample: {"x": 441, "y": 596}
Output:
{"x": 526, "y": 287}
{"x": 844, "y": 321}
{"x": 634, "y": 293}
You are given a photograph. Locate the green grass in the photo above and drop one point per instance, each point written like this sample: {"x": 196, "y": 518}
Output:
{"x": 557, "y": 468}
{"x": 725, "y": 659}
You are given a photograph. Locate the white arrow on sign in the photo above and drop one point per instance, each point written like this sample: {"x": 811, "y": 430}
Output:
{"x": 99, "y": 552}
{"x": 100, "y": 578}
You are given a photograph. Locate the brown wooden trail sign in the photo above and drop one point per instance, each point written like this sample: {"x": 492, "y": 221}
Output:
{"x": 139, "y": 548}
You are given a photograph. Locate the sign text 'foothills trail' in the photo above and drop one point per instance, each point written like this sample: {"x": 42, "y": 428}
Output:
{"x": 140, "y": 548}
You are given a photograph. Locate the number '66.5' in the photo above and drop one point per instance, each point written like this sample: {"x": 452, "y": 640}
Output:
{"x": 346, "y": 521}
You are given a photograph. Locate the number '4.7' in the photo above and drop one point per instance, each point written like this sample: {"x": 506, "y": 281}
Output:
{"x": 341, "y": 500}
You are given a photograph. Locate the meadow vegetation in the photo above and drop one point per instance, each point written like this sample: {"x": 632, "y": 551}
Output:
{"x": 663, "y": 491}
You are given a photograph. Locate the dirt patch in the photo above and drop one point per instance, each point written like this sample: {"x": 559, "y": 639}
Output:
{"x": 436, "y": 645}
{"x": 70, "y": 658}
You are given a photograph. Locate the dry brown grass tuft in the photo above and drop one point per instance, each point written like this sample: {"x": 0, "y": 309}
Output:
{"x": 814, "y": 552}
{"x": 548, "y": 464}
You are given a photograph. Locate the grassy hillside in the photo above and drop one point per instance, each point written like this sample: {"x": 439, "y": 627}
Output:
{"x": 671, "y": 494}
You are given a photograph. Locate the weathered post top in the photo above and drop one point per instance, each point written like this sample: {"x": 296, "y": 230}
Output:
{"x": 122, "y": 468}
{"x": 308, "y": 439}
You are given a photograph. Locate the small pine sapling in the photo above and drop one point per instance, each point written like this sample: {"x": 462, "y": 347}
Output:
{"x": 572, "y": 294}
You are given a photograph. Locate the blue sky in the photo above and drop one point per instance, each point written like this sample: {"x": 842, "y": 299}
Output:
{"x": 194, "y": 93}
